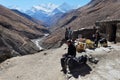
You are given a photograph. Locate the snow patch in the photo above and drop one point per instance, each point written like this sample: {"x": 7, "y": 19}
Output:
{"x": 45, "y": 7}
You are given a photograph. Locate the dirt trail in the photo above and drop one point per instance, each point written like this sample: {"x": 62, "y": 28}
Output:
{"x": 46, "y": 66}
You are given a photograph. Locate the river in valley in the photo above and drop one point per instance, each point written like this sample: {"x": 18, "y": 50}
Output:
{"x": 39, "y": 40}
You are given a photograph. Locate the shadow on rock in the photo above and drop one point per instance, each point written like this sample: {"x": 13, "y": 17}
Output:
{"x": 80, "y": 70}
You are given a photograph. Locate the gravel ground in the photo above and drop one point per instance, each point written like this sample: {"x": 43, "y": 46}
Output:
{"x": 46, "y": 66}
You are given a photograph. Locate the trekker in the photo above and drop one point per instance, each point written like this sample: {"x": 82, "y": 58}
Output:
{"x": 94, "y": 31}
{"x": 71, "y": 52}
{"x": 66, "y": 34}
{"x": 97, "y": 38}
{"x": 69, "y": 33}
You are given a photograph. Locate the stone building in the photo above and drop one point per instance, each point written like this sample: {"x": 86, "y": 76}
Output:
{"x": 110, "y": 29}
{"x": 84, "y": 33}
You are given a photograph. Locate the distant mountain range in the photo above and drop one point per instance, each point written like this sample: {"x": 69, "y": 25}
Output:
{"x": 28, "y": 17}
{"x": 46, "y": 13}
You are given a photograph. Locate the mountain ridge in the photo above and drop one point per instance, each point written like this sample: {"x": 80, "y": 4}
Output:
{"x": 28, "y": 17}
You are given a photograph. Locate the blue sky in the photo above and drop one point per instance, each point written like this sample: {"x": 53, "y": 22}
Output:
{"x": 27, "y": 4}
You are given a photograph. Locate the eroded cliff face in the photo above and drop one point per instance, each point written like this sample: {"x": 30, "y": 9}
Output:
{"x": 85, "y": 17}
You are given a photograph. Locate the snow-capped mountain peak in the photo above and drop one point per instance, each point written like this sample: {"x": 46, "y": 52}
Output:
{"x": 45, "y": 12}
{"x": 45, "y": 7}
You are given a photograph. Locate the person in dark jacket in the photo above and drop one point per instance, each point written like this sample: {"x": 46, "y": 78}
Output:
{"x": 66, "y": 34}
{"x": 71, "y": 49}
{"x": 71, "y": 52}
{"x": 70, "y": 32}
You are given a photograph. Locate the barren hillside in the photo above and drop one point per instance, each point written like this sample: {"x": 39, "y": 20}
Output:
{"x": 20, "y": 24}
{"x": 16, "y": 32}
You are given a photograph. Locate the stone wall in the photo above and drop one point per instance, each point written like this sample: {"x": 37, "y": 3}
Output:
{"x": 86, "y": 33}
{"x": 118, "y": 33}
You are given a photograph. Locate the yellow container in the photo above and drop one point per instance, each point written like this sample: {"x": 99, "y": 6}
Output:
{"x": 80, "y": 47}
{"x": 89, "y": 44}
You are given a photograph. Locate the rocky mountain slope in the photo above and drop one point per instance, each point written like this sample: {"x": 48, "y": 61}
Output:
{"x": 28, "y": 17}
{"x": 16, "y": 32}
{"x": 46, "y": 66}
{"x": 85, "y": 17}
